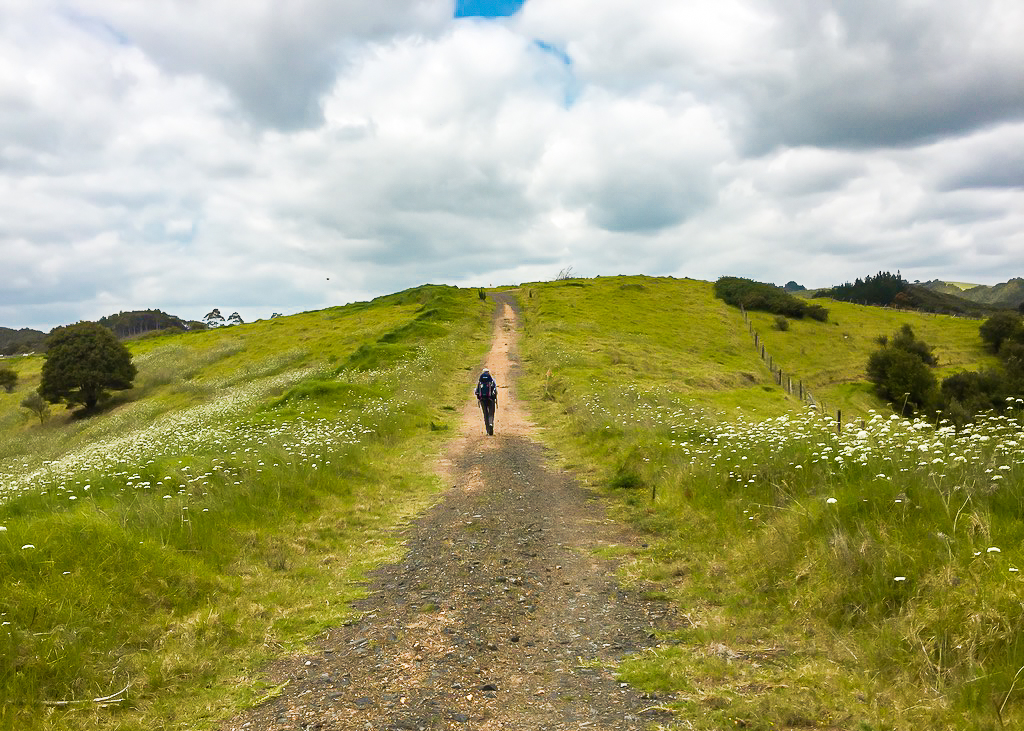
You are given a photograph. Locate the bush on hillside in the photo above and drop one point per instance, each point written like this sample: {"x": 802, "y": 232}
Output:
{"x": 904, "y": 339}
{"x": 751, "y": 295}
{"x": 8, "y": 379}
{"x": 901, "y": 372}
{"x": 37, "y": 405}
{"x": 903, "y": 379}
{"x": 966, "y": 394}
{"x": 1001, "y": 327}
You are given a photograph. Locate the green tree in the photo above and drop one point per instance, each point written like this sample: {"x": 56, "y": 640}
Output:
{"x": 84, "y": 362}
{"x": 905, "y": 339}
{"x": 35, "y": 403}
{"x": 8, "y": 379}
{"x": 901, "y": 374}
{"x": 903, "y": 379}
{"x": 213, "y": 318}
{"x": 999, "y": 328}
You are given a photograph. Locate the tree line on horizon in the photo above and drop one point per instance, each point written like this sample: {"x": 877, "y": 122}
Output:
{"x": 124, "y": 325}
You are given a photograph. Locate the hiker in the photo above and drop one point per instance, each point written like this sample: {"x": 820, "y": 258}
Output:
{"x": 487, "y": 397}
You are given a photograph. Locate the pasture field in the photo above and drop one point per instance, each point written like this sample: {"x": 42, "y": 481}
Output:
{"x": 868, "y": 578}
{"x": 831, "y": 357}
{"x": 222, "y": 511}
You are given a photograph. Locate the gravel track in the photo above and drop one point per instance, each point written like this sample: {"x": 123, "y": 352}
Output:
{"x": 500, "y": 616}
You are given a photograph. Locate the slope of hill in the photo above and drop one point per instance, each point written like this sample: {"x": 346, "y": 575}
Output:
{"x": 673, "y": 334}
{"x": 173, "y": 543}
{"x": 864, "y": 577}
{"x": 953, "y": 288}
{"x": 1008, "y": 294}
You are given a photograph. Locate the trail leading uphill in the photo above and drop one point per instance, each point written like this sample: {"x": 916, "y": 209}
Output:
{"x": 498, "y": 617}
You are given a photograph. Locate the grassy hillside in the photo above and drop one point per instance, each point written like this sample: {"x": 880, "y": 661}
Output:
{"x": 866, "y": 579}
{"x": 665, "y": 334}
{"x": 832, "y": 359}
{"x": 175, "y": 542}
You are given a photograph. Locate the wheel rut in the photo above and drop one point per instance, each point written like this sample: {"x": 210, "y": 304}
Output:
{"x": 500, "y": 615}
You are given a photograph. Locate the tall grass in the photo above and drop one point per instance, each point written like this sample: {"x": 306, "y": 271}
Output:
{"x": 867, "y": 577}
{"x": 175, "y": 557}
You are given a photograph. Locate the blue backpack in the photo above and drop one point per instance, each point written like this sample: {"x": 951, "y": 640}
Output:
{"x": 487, "y": 388}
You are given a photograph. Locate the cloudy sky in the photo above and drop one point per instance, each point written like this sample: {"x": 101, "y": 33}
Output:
{"x": 285, "y": 155}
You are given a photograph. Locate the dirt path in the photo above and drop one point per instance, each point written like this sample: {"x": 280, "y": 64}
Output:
{"x": 499, "y": 617}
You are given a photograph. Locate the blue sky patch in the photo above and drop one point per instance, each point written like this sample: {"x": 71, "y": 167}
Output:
{"x": 556, "y": 51}
{"x": 487, "y": 8}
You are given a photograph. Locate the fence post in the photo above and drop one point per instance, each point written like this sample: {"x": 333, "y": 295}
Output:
{"x": 801, "y": 390}
{"x": 839, "y": 421}
{"x": 762, "y": 352}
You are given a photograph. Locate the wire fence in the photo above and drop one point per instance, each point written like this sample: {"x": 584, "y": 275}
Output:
{"x": 791, "y": 384}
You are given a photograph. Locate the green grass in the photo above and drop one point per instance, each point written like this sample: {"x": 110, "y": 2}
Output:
{"x": 222, "y": 512}
{"x": 782, "y": 560}
{"x": 833, "y": 363}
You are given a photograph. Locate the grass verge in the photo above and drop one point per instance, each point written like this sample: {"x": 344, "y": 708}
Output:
{"x": 176, "y": 556}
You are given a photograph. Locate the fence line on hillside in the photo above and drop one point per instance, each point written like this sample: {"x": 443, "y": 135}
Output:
{"x": 785, "y": 379}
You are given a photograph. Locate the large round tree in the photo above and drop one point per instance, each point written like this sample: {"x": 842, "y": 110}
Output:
{"x": 84, "y": 362}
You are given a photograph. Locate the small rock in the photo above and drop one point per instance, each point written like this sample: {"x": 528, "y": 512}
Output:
{"x": 363, "y": 702}
{"x": 488, "y": 686}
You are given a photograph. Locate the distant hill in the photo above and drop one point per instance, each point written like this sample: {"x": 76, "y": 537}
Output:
{"x": 886, "y": 289}
{"x": 1008, "y": 295}
{"x": 916, "y": 297}
{"x": 937, "y": 285}
{"x": 24, "y": 340}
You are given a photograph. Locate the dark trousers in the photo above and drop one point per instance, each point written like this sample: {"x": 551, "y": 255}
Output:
{"x": 488, "y": 407}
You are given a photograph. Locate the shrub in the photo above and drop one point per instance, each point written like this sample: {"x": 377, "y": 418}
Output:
{"x": 37, "y": 405}
{"x": 751, "y": 295}
{"x": 1000, "y": 328}
{"x": 8, "y": 379}
{"x": 969, "y": 393}
{"x": 901, "y": 375}
{"x": 781, "y": 323}
{"x": 905, "y": 339}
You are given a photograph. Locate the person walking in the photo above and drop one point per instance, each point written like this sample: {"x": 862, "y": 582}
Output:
{"x": 487, "y": 397}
